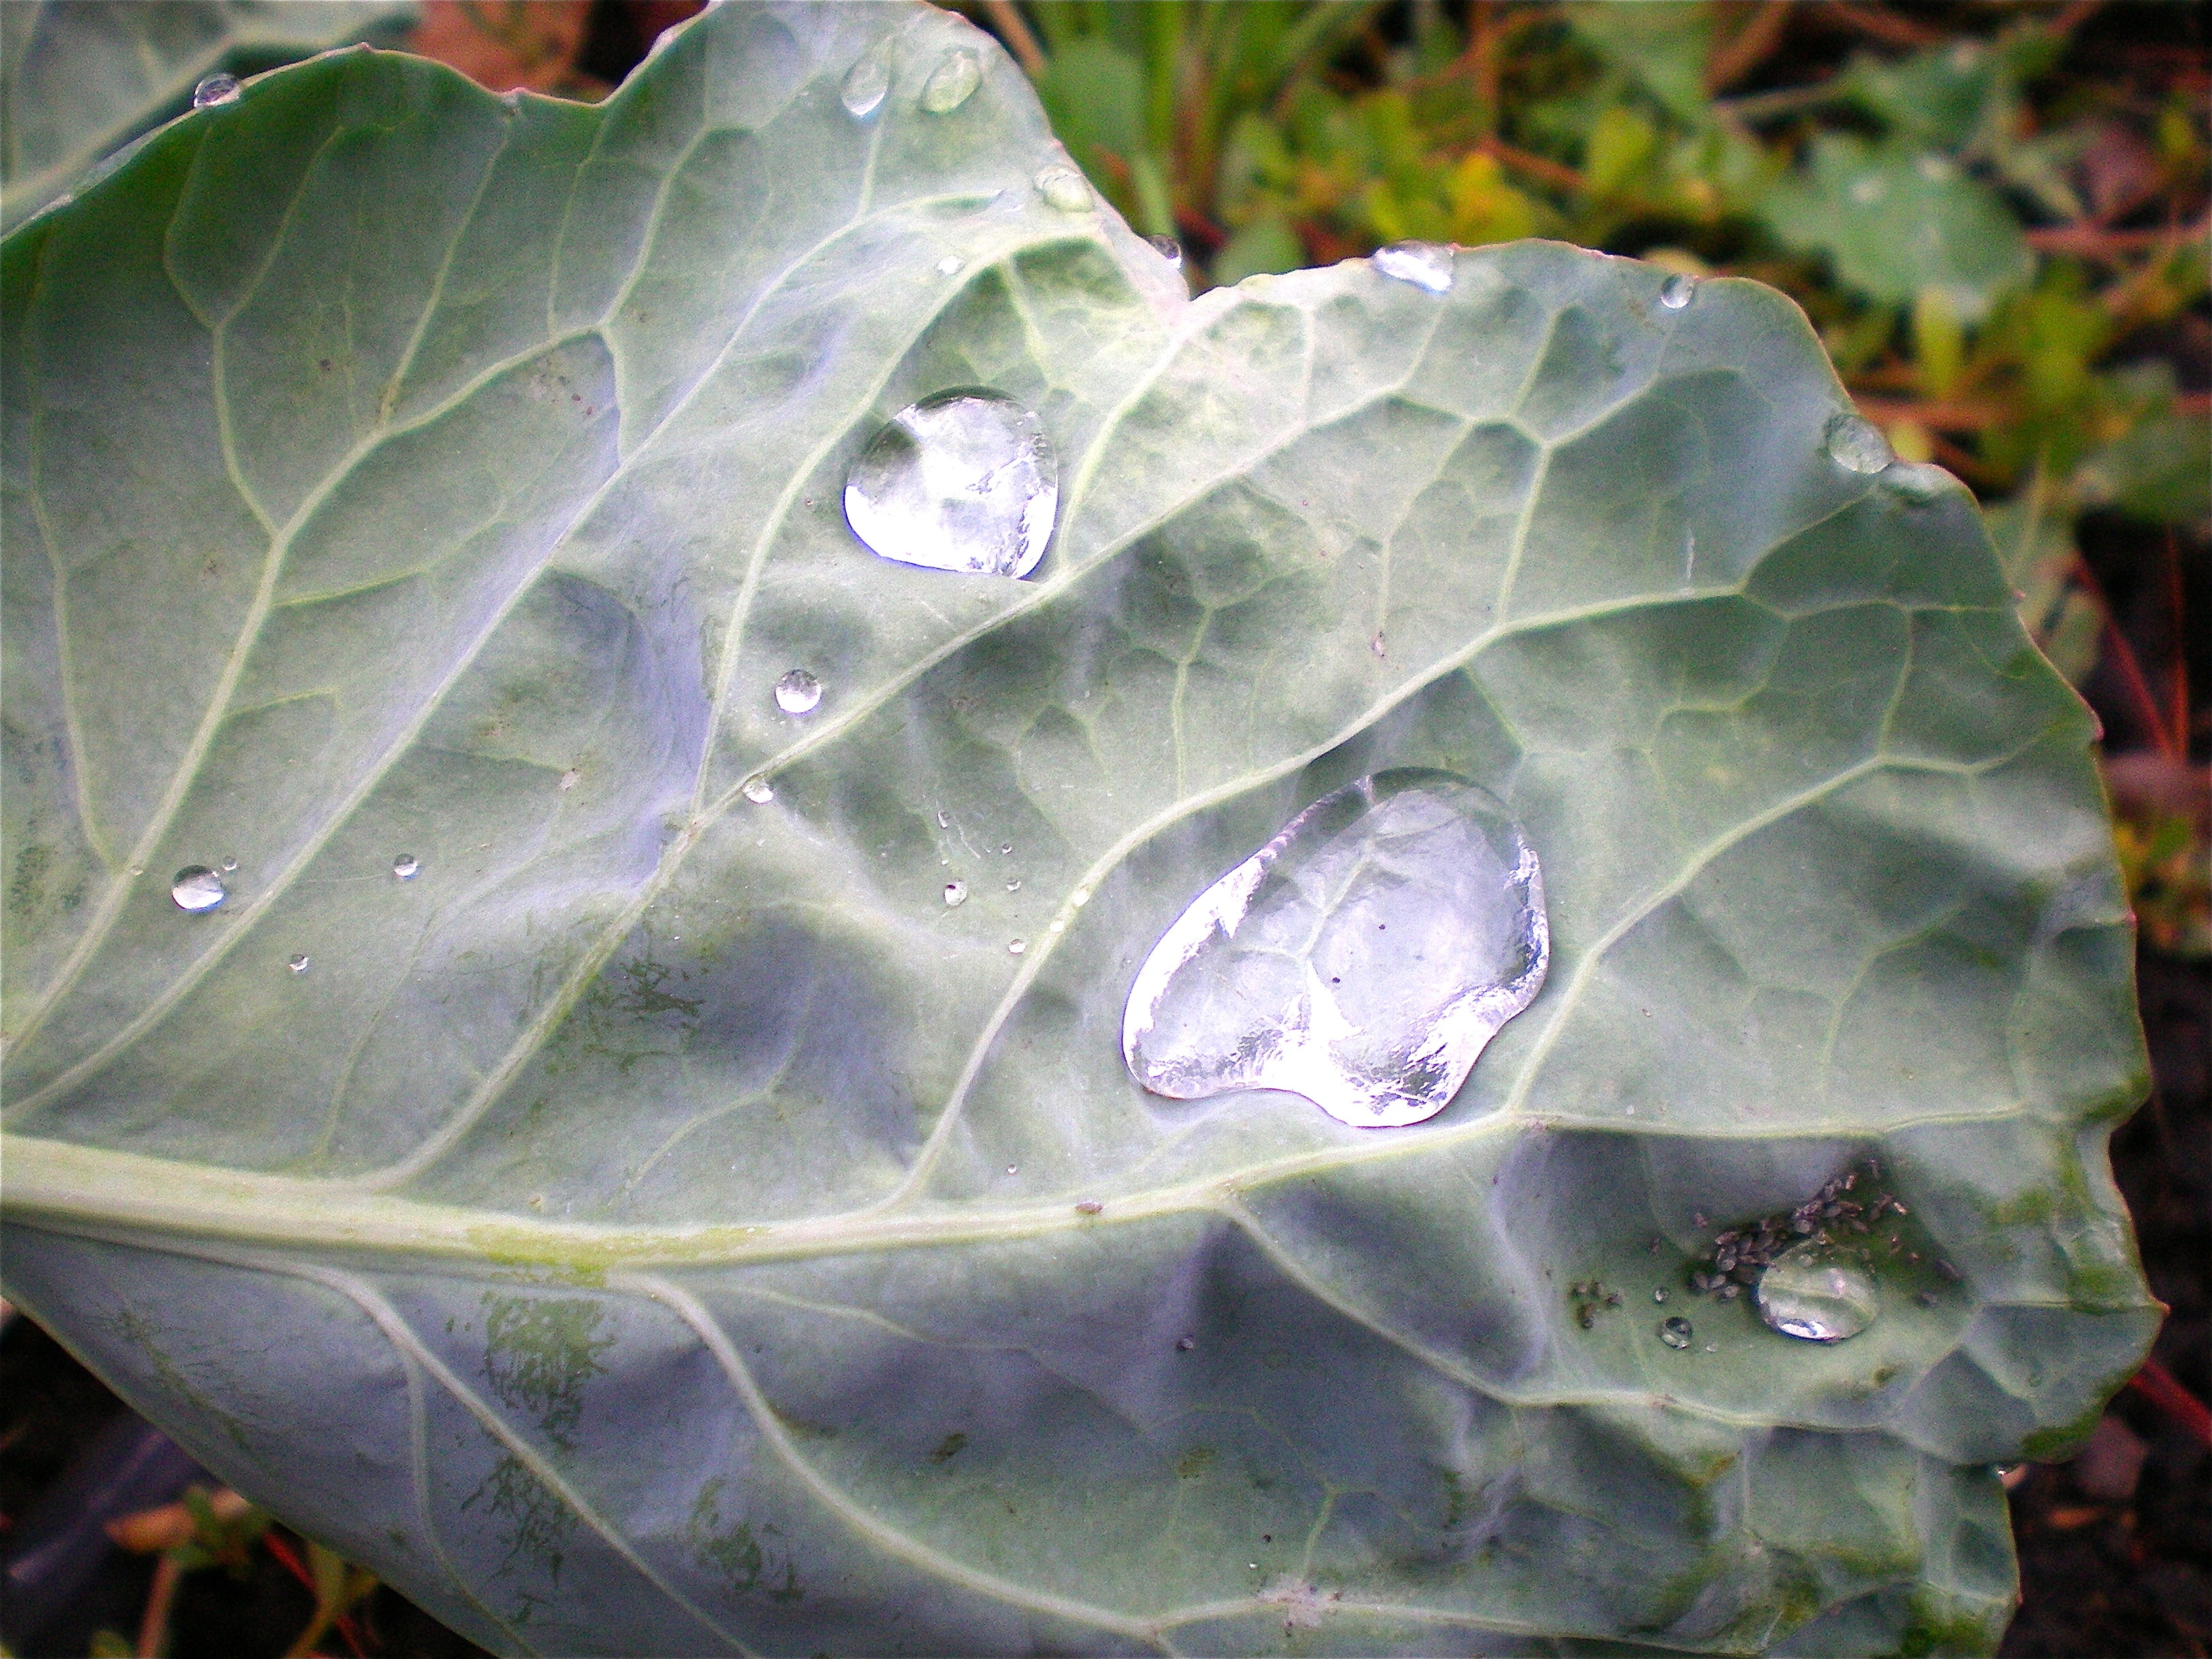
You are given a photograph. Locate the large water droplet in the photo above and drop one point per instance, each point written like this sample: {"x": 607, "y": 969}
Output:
{"x": 1425, "y": 265}
{"x": 196, "y": 887}
{"x": 1858, "y": 445}
{"x": 216, "y": 89}
{"x": 404, "y": 865}
{"x": 950, "y": 82}
{"x": 1676, "y": 1333}
{"x": 1168, "y": 248}
{"x": 962, "y": 481}
{"x": 798, "y": 692}
{"x": 1064, "y": 188}
{"x": 1810, "y": 1291}
{"x": 956, "y": 893}
{"x": 1676, "y": 291}
{"x": 1361, "y": 959}
{"x": 866, "y": 82}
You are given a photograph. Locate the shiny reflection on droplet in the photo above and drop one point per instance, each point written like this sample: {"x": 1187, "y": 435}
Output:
{"x": 216, "y": 89}
{"x": 1812, "y": 1292}
{"x": 404, "y": 866}
{"x": 757, "y": 789}
{"x": 948, "y": 265}
{"x": 195, "y": 889}
{"x": 1676, "y": 1333}
{"x": 950, "y": 82}
{"x": 1426, "y": 265}
{"x": 864, "y": 84}
{"x": 298, "y": 964}
{"x": 1064, "y": 189}
{"x": 1015, "y": 947}
{"x": 964, "y": 481}
{"x": 1168, "y": 248}
{"x": 1857, "y": 444}
{"x": 1676, "y": 291}
{"x": 798, "y": 692}
{"x": 230, "y": 865}
{"x": 956, "y": 894}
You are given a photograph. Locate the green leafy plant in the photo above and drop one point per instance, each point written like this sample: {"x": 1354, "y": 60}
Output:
{"x": 586, "y": 1170}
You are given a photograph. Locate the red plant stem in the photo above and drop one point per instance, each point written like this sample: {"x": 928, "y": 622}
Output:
{"x": 2156, "y": 1384}
{"x": 288, "y": 1558}
{"x": 2131, "y": 674}
{"x": 153, "y": 1627}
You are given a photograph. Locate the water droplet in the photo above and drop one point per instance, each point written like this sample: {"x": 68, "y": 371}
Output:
{"x": 798, "y": 692}
{"x": 1858, "y": 445}
{"x": 1361, "y": 959}
{"x": 230, "y": 865}
{"x": 216, "y": 89}
{"x": 864, "y": 84}
{"x": 1080, "y": 897}
{"x": 948, "y": 265}
{"x": 1659, "y": 1295}
{"x": 1006, "y": 847}
{"x": 1015, "y": 947}
{"x": 963, "y": 481}
{"x": 1810, "y": 1291}
{"x": 950, "y": 82}
{"x": 1917, "y": 482}
{"x": 1676, "y": 291}
{"x": 1425, "y": 265}
{"x": 1015, "y": 885}
{"x": 298, "y": 964}
{"x": 1168, "y": 248}
{"x": 1013, "y": 1169}
{"x": 196, "y": 887}
{"x": 1066, "y": 189}
{"x": 757, "y": 789}
{"x": 944, "y": 820}
{"x": 1185, "y": 1344}
{"x": 1676, "y": 1333}
{"x": 956, "y": 893}
{"x": 404, "y": 866}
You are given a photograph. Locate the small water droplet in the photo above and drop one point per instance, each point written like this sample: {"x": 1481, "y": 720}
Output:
{"x": 1013, "y": 1169}
{"x": 1080, "y": 897}
{"x": 1676, "y": 291}
{"x": 950, "y": 82}
{"x": 1660, "y": 1294}
{"x": 1361, "y": 959}
{"x": 798, "y": 692}
{"x": 216, "y": 89}
{"x": 1064, "y": 189}
{"x": 571, "y": 778}
{"x": 964, "y": 481}
{"x": 1676, "y": 1333}
{"x": 757, "y": 789}
{"x": 1858, "y": 445}
{"x": 1006, "y": 847}
{"x": 1811, "y": 1292}
{"x": 1015, "y": 947}
{"x": 230, "y": 865}
{"x": 1916, "y": 482}
{"x": 864, "y": 84}
{"x": 1168, "y": 248}
{"x": 404, "y": 865}
{"x": 1185, "y": 1344}
{"x": 944, "y": 820}
{"x": 298, "y": 964}
{"x": 1425, "y": 265}
{"x": 1015, "y": 885}
{"x": 948, "y": 265}
{"x": 956, "y": 893}
{"x": 196, "y": 888}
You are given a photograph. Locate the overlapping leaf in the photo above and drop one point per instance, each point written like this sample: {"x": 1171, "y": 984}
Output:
{"x": 663, "y": 1224}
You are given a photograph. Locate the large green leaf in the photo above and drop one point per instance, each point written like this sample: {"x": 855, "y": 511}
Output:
{"x": 664, "y": 1225}
{"x": 83, "y": 77}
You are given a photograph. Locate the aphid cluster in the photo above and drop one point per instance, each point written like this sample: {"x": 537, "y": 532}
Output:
{"x": 1831, "y": 1217}
{"x": 1589, "y": 1296}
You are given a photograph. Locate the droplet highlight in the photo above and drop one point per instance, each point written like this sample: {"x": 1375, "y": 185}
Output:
{"x": 757, "y": 789}
{"x": 406, "y": 866}
{"x": 948, "y": 265}
{"x": 956, "y": 894}
{"x": 196, "y": 888}
{"x": 1168, "y": 248}
{"x": 298, "y": 964}
{"x": 1812, "y": 1292}
{"x": 1016, "y": 946}
{"x": 950, "y": 82}
{"x": 1064, "y": 189}
{"x": 1425, "y": 265}
{"x": 230, "y": 866}
{"x": 798, "y": 692}
{"x": 1676, "y": 291}
{"x": 1363, "y": 958}
{"x": 964, "y": 481}
{"x": 1676, "y": 1333}
{"x": 1856, "y": 445}
{"x": 216, "y": 89}
{"x": 866, "y": 83}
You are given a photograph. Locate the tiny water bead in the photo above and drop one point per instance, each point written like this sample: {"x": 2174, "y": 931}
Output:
{"x": 956, "y": 894}
{"x": 798, "y": 692}
{"x": 950, "y": 82}
{"x": 404, "y": 866}
{"x": 216, "y": 89}
{"x": 1426, "y": 265}
{"x": 1363, "y": 958}
{"x": 1016, "y": 946}
{"x": 866, "y": 82}
{"x": 1015, "y": 885}
{"x": 1675, "y": 1332}
{"x": 1064, "y": 189}
{"x": 948, "y": 265}
{"x": 298, "y": 964}
{"x": 1168, "y": 248}
{"x": 1676, "y": 291}
{"x": 195, "y": 889}
{"x": 230, "y": 865}
{"x": 757, "y": 789}
{"x": 1858, "y": 445}
{"x": 964, "y": 481}
{"x": 1812, "y": 1292}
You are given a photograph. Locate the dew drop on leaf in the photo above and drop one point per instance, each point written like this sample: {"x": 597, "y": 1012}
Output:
{"x": 196, "y": 887}
{"x": 1811, "y": 1292}
{"x": 948, "y": 265}
{"x": 404, "y": 865}
{"x": 1916, "y": 482}
{"x": 964, "y": 481}
{"x": 1015, "y": 947}
{"x": 757, "y": 790}
{"x": 1361, "y": 959}
{"x": 1676, "y": 1333}
{"x": 1425, "y": 265}
{"x": 798, "y": 692}
{"x": 864, "y": 84}
{"x": 1168, "y": 248}
{"x": 1858, "y": 445}
{"x": 216, "y": 89}
{"x": 956, "y": 893}
{"x": 950, "y": 82}
{"x": 230, "y": 865}
{"x": 298, "y": 964}
{"x": 1675, "y": 293}
{"x": 1015, "y": 885}
{"x": 1064, "y": 188}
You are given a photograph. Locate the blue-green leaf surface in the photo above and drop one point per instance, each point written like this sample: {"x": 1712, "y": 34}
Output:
{"x": 663, "y": 1224}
